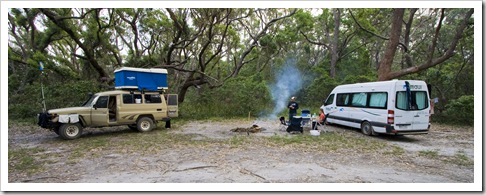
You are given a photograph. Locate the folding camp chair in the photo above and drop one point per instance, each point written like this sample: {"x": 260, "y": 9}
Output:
{"x": 295, "y": 125}
{"x": 306, "y": 117}
{"x": 283, "y": 124}
{"x": 318, "y": 126}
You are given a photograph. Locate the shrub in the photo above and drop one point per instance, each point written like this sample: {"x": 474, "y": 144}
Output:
{"x": 236, "y": 98}
{"x": 28, "y": 103}
{"x": 460, "y": 111}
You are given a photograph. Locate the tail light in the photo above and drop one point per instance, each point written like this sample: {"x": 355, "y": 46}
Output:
{"x": 391, "y": 117}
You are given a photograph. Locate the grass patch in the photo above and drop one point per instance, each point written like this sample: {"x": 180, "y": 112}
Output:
{"x": 82, "y": 147}
{"x": 460, "y": 159}
{"x": 23, "y": 121}
{"x": 429, "y": 154}
{"x": 23, "y": 160}
{"x": 238, "y": 141}
{"x": 158, "y": 139}
{"x": 395, "y": 151}
{"x": 328, "y": 142}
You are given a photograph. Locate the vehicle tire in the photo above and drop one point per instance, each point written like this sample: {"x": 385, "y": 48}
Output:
{"x": 145, "y": 124}
{"x": 70, "y": 131}
{"x": 133, "y": 127}
{"x": 366, "y": 128}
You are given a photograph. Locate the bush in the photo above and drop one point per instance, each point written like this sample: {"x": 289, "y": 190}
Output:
{"x": 460, "y": 111}
{"x": 236, "y": 98}
{"x": 27, "y": 104}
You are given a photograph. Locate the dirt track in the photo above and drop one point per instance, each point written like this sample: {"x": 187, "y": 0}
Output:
{"x": 257, "y": 162}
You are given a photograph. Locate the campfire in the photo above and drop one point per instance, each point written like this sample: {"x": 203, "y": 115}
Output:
{"x": 253, "y": 129}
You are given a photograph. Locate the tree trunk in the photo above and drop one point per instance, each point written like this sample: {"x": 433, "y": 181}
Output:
{"x": 387, "y": 61}
{"x": 334, "y": 44}
{"x": 384, "y": 70}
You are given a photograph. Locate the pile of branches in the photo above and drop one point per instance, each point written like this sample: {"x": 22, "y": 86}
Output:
{"x": 253, "y": 129}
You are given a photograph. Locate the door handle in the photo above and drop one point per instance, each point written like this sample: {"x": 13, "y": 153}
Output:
{"x": 416, "y": 115}
{"x": 159, "y": 109}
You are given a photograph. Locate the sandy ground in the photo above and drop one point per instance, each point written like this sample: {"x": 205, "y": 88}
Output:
{"x": 257, "y": 163}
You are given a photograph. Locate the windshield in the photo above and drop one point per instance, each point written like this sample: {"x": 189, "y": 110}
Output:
{"x": 89, "y": 101}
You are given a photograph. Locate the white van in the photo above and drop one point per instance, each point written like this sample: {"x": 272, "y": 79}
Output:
{"x": 396, "y": 107}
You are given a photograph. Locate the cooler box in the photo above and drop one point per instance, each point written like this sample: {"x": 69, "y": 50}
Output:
{"x": 141, "y": 78}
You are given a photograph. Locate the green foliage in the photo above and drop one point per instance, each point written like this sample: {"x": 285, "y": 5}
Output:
{"x": 317, "y": 92}
{"x": 460, "y": 111}
{"x": 350, "y": 79}
{"x": 304, "y": 20}
{"x": 28, "y": 103}
{"x": 236, "y": 98}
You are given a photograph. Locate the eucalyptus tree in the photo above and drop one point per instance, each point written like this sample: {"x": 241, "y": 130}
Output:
{"x": 31, "y": 39}
{"x": 327, "y": 35}
{"x": 91, "y": 30}
{"x": 199, "y": 43}
{"x": 429, "y": 56}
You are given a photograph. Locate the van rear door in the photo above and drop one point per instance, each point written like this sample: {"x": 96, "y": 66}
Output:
{"x": 172, "y": 105}
{"x": 412, "y": 107}
{"x": 420, "y": 105}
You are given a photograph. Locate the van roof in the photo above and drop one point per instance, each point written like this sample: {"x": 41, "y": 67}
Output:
{"x": 383, "y": 82}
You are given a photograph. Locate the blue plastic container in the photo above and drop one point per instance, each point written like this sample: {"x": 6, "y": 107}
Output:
{"x": 141, "y": 78}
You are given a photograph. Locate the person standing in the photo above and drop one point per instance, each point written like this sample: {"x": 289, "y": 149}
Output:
{"x": 293, "y": 106}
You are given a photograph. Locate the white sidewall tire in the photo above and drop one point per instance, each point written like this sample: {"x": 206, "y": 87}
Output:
{"x": 70, "y": 131}
{"x": 145, "y": 124}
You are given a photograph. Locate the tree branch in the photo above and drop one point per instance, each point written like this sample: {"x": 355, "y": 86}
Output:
{"x": 448, "y": 54}
{"x": 374, "y": 34}
{"x": 314, "y": 42}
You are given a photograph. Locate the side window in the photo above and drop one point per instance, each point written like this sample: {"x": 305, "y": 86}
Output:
{"x": 342, "y": 99}
{"x": 132, "y": 98}
{"x": 378, "y": 100}
{"x": 152, "y": 98}
{"x": 329, "y": 100}
{"x": 172, "y": 100}
{"x": 102, "y": 102}
{"x": 359, "y": 99}
{"x": 127, "y": 99}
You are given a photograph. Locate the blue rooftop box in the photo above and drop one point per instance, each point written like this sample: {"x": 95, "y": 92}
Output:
{"x": 141, "y": 78}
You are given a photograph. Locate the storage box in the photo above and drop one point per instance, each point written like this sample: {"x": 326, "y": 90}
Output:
{"x": 141, "y": 78}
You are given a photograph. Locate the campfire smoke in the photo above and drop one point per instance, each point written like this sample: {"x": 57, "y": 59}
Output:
{"x": 288, "y": 82}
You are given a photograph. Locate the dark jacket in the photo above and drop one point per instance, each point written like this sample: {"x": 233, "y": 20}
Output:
{"x": 295, "y": 105}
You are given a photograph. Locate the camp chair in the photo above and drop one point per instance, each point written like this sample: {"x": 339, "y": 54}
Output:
{"x": 322, "y": 125}
{"x": 306, "y": 116}
{"x": 283, "y": 124}
{"x": 295, "y": 125}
